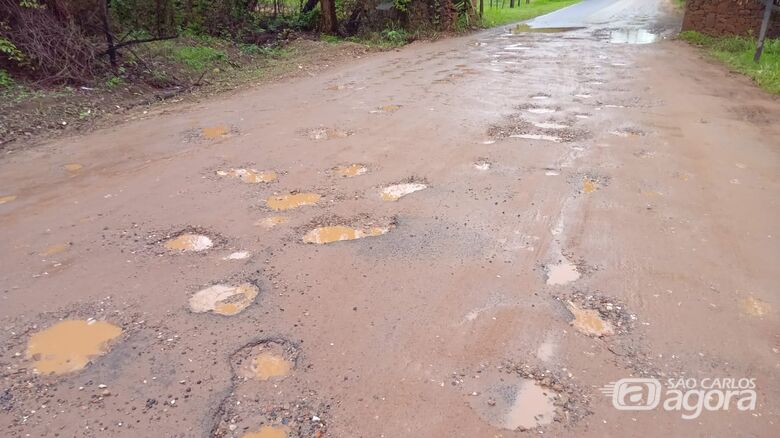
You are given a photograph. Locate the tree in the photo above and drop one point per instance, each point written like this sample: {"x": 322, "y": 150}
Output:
{"x": 328, "y": 12}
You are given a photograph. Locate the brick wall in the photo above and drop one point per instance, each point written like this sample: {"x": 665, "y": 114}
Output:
{"x": 721, "y": 17}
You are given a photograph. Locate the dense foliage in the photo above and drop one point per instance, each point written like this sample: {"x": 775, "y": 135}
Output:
{"x": 71, "y": 41}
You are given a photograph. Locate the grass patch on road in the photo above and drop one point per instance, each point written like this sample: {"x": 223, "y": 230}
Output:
{"x": 522, "y": 11}
{"x": 737, "y": 52}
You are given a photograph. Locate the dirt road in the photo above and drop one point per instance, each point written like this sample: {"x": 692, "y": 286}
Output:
{"x": 579, "y": 211}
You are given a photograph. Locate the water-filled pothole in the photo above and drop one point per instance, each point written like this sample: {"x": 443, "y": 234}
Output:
{"x": 395, "y": 192}
{"x": 561, "y": 273}
{"x": 292, "y": 200}
{"x": 189, "y": 242}
{"x": 597, "y": 315}
{"x": 755, "y": 306}
{"x": 250, "y": 176}
{"x": 268, "y": 432}
{"x": 323, "y": 133}
{"x": 265, "y": 360}
{"x": 330, "y": 229}
{"x": 272, "y": 221}
{"x": 70, "y": 345}
{"x": 351, "y": 170}
{"x": 7, "y": 198}
{"x": 224, "y": 299}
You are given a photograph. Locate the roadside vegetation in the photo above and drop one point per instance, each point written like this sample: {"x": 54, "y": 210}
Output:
{"x": 499, "y": 12}
{"x": 737, "y": 52}
{"x": 65, "y": 63}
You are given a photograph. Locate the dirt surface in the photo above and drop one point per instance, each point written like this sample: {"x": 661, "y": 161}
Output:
{"x": 526, "y": 271}
{"x": 32, "y": 117}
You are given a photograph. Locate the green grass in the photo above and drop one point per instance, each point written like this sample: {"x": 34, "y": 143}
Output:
{"x": 198, "y": 58}
{"x": 737, "y": 52}
{"x": 498, "y": 16}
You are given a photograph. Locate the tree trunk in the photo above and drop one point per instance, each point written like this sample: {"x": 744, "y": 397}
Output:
{"x": 328, "y": 11}
{"x": 111, "y": 51}
{"x": 309, "y": 6}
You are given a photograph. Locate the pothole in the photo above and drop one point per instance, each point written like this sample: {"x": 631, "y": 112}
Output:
{"x": 755, "y": 307}
{"x": 238, "y": 255}
{"x": 189, "y": 242}
{"x": 589, "y": 185}
{"x": 265, "y": 360}
{"x": 521, "y": 397}
{"x": 73, "y": 168}
{"x": 268, "y": 396}
{"x": 325, "y": 230}
{"x": 224, "y": 299}
{"x": 395, "y": 192}
{"x": 272, "y": 221}
{"x": 482, "y": 164}
{"x": 597, "y": 315}
{"x": 540, "y": 96}
{"x": 323, "y": 133}
{"x": 386, "y": 109}
{"x": 54, "y": 250}
{"x": 525, "y": 28}
{"x": 561, "y": 273}
{"x": 7, "y": 198}
{"x": 628, "y": 132}
{"x": 337, "y": 233}
{"x": 292, "y": 200}
{"x": 70, "y": 345}
{"x": 250, "y": 176}
{"x": 212, "y": 132}
{"x": 351, "y": 170}
{"x": 268, "y": 432}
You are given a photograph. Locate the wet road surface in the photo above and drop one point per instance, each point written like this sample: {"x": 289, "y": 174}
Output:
{"x": 463, "y": 238}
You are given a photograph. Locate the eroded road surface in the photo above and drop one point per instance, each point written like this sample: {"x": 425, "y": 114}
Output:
{"x": 470, "y": 238}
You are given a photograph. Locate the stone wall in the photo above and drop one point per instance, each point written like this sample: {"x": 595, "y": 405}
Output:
{"x": 722, "y": 17}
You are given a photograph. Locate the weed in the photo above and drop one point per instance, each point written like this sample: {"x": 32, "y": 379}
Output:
{"x": 737, "y": 52}
{"x": 200, "y": 57}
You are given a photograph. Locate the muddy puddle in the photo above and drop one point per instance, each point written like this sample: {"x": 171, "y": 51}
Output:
{"x": 214, "y": 132}
{"x": 238, "y": 255}
{"x": 73, "y": 168}
{"x": 54, "y": 250}
{"x": 562, "y": 273}
{"x": 589, "y": 321}
{"x": 326, "y": 133}
{"x": 70, "y": 345}
{"x": 338, "y": 233}
{"x": 272, "y": 221}
{"x": 386, "y": 109}
{"x": 223, "y": 299}
{"x": 250, "y": 176}
{"x": 189, "y": 242}
{"x": 630, "y": 36}
{"x": 514, "y": 403}
{"x": 7, "y": 198}
{"x": 291, "y": 201}
{"x": 597, "y": 315}
{"x": 397, "y": 191}
{"x": 266, "y": 360}
{"x": 524, "y": 28}
{"x": 351, "y": 170}
{"x": 755, "y": 307}
{"x": 589, "y": 185}
{"x": 268, "y": 432}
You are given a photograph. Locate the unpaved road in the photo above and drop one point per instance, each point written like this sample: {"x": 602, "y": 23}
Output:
{"x": 632, "y": 186}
